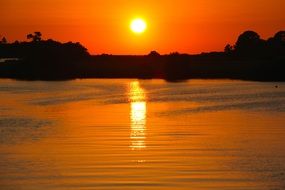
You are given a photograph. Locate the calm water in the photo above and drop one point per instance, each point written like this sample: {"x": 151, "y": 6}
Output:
{"x": 131, "y": 134}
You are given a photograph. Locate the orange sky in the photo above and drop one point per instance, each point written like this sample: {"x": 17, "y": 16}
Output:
{"x": 187, "y": 26}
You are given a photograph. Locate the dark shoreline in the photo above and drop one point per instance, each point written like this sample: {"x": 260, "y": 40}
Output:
{"x": 172, "y": 68}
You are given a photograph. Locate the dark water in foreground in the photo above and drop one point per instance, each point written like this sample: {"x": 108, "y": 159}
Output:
{"x": 130, "y": 134}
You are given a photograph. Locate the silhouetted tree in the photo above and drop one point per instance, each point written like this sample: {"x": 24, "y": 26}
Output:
{"x": 250, "y": 44}
{"x": 16, "y": 42}
{"x": 276, "y": 44}
{"x": 246, "y": 39}
{"x": 30, "y": 36}
{"x": 280, "y": 36}
{"x": 36, "y": 37}
{"x": 228, "y": 48}
{"x": 153, "y": 54}
{"x": 3, "y": 40}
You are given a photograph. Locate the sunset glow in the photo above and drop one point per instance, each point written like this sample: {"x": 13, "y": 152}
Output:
{"x": 186, "y": 26}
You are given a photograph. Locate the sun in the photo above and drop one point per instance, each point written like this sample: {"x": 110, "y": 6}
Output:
{"x": 138, "y": 26}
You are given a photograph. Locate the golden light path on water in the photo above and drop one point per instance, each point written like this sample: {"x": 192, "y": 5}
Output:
{"x": 138, "y": 112}
{"x": 199, "y": 134}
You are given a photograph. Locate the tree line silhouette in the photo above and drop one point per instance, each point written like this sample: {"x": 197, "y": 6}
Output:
{"x": 250, "y": 58}
{"x": 40, "y": 58}
{"x": 249, "y": 44}
{"x": 42, "y": 49}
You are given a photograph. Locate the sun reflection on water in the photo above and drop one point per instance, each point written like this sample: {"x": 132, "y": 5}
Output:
{"x": 138, "y": 111}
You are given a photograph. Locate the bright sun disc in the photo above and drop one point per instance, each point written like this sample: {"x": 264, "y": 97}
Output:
{"x": 138, "y": 26}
